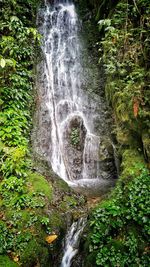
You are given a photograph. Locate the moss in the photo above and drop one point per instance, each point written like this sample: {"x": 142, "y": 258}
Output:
{"x": 56, "y": 220}
{"x": 132, "y": 164}
{"x": 62, "y": 185}
{"x": 34, "y": 253}
{"x": 25, "y": 216}
{"x": 68, "y": 202}
{"x": 117, "y": 244}
{"x": 38, "y": 184}
{"x": 122, "y": 136}
{"x": 7, "y": 262}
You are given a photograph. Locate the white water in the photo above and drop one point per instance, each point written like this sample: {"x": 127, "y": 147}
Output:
{"x": 67, "y": 102}
{"x": 72, "y": 242}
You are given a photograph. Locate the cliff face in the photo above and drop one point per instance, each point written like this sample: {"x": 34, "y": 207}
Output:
{"x": 124, "y": 51}
{"x": 123, "y": 43}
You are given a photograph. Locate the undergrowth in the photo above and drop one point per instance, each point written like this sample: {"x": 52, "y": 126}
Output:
{"x": 23, "y": 222}
{"x": 120, "y": 226}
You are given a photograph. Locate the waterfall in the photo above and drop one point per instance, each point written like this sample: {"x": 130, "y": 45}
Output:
{"x": 72, "y": 241}
{"x": 71, "y": 120}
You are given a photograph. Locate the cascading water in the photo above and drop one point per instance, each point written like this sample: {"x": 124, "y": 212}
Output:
{"x": 71, "y": 122}
{"x": 72, "y": 242}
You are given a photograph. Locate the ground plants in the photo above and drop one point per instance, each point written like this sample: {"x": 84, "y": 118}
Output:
{"x": 120, "y": 225}
{"x": 75, "y": 136}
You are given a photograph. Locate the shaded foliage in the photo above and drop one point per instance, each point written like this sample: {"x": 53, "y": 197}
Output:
{"x": 125, "y": 47}
{"x": 120, "y": 225}
{"x": 22, "y": 202}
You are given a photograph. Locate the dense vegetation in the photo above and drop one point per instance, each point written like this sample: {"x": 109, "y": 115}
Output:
{"x": 24, "y": 194}
{"x": 119, "y": 225}
{"x": 31, "y": 208}
{"x": 22, "y": 198}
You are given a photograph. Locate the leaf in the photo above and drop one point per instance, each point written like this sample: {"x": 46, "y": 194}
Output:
{"x": 14, "y": 18}
{"x": 2, "y": 62}
{"x": 50, "y": 238}
{"x": 16, "y": 258}
{"x": 11, "y": 62}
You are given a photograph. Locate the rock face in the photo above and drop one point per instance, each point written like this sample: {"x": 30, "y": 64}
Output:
{"x": 106, "y": 159}
{"x": 73, "y": 123}
{"x": 74, "y": 139}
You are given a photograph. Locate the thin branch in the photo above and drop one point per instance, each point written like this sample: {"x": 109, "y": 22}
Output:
{"x": 136, "y": 6}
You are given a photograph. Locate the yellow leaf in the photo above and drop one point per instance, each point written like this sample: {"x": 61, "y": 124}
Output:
{"x": 50, "y": 238}
{"x": 16, "y": 258}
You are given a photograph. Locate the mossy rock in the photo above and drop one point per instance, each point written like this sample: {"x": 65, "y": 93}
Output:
{"x": 122, "y": 136}
{"x": 62, "y": 185}
{"x": 105, "y": 150}
{"x": 38, "y": 184}
{"x": 7, "y": 262}
{"x": 132, "y": 164}
{"x": 68, "y": 202}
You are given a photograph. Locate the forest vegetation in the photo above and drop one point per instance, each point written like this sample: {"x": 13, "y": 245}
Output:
{"x": 119, "y": 226}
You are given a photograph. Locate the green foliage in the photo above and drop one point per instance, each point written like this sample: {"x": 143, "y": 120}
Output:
{"x": 38, "y": 184}
{"x": 12, "y": 184}
{"x": 19, "y": 230}
{"x": 6, "y": 262}
{"x": 12, "y": 240}
{"x": 17, "y": 50}
{"x": 16, "y": 60}
{"x": 120, "y": 226}
{"x": 68, "y": 202}
{"x": 22, "y": 202}
{"x": 125, "y": 57}
{"x": 75, "y": 136}
{"x": 34, "y": 252}
{"x": 14, "y": 161}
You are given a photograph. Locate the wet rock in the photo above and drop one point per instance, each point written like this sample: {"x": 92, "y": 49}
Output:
{"x": 74, "y": 151}
{"x": 107, "y": 159}
{"x": 72, "y": 117}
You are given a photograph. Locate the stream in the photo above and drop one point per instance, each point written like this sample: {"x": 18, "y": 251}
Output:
{"x": 73, "y": 123}
{"x": 72, "y": 241}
